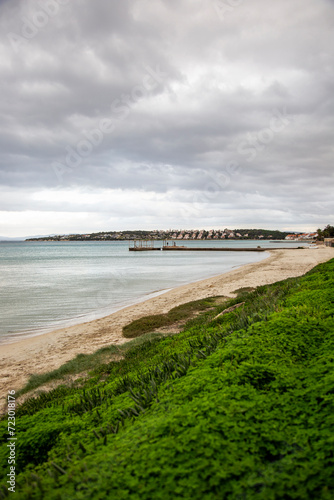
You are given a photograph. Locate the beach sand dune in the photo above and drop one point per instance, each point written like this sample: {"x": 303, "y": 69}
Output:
{"x": 48, "y": 351}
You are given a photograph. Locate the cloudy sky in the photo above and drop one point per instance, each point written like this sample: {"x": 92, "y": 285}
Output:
{"x": 141, "y": 114}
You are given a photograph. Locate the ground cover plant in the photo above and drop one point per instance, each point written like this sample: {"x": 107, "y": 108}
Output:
{"x": 178, "y": 313}
{"x": 237, "y": 406}
{"x": 84, "y": 362}
{"x": 139, "y": 331}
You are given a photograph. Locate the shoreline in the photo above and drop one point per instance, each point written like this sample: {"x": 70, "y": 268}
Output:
{"x": 94, "y": 316}
{"x": 99, "y": 314}
{"x": 48, "y": 351}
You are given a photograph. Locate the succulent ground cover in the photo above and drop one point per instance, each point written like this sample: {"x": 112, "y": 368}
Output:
{"x": 236, "y": 406}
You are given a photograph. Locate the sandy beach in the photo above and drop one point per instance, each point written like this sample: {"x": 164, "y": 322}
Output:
{"x": 48, "y": 351}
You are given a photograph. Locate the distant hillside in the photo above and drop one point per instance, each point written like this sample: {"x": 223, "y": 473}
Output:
{"x": 179, "y": 234}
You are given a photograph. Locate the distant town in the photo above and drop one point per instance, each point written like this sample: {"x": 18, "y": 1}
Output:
{"x": 182, "y": 234}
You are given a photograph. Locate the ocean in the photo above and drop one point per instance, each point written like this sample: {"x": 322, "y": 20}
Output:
{"x": 50, "y": 285}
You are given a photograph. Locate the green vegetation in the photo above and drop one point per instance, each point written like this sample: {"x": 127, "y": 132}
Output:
{"x": 84, "y": 363}
{"x": 178, "y": 313}
{"x": 238, "y": 406}
{"x": 327, "y": 232}
{"x": 240, "y": 292}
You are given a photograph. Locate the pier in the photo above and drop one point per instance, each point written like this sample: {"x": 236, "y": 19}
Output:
{"x": 148, "y": 245}
{"x": 142, "y": 246}
{"x": 215, "y": 249}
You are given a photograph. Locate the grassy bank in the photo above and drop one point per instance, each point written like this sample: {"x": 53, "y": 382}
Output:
{"x": 237, "y": 406}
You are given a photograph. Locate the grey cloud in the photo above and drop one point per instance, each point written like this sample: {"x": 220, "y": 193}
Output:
{"x": 218, "y": 84}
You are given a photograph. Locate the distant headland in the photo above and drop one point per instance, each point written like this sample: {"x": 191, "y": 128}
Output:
{"x": 181, "y": 234}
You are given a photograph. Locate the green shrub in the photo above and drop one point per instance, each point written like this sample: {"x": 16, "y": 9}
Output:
{"x": 184, "y": 311}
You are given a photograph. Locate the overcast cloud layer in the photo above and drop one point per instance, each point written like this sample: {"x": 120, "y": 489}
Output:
{"x": 141, "y": 114}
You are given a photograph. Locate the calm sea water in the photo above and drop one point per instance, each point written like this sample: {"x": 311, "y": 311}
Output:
{"x": 48, "y": 285}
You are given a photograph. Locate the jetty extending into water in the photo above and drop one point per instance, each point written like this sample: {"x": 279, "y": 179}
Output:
{"x": 214, "y": 249}
{"x": 142, "y": 245}
{"x": 148, "y": 245}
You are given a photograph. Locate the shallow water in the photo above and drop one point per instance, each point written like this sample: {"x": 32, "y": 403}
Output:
{"x": 48, "y": 285}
